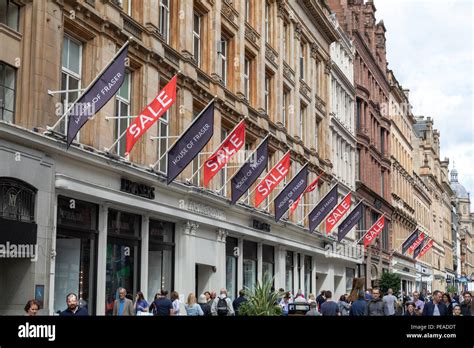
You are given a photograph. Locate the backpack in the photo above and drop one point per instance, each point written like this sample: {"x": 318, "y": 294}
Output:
{"x": 222, "y": 309}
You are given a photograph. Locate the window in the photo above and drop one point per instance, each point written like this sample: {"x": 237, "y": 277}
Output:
{"x": 382, "y": 141}
{"x": 301, "y": 122}
{"x": 247, "y": 11}
{"x": 76, "y": 253}
{"x": 298, "y": 263}
{"x": 123, "y": 253}
{"x": 361, "y": 224}
{"x": 382, "y": 183}
{"x": 197, "y": 39}
{"x": 267, "y": 22}
{"x": 9, "y": 14}
{"x": 286, "y": 41}
{"x": 163, "y": 141}
{"x": 268, "y": 263}
{"x": 247, "y": 79}
{"x": 385, "y": 245}
{"x": 231, "y": 267}
{"x": 308, "y": 271}
{"x": 122, "y": 109}
{"x": 302, "y": 66}
{"x": 223, "y": 53}
{"x": 357, "y": 160}
{"x": 250, "y": 264}
{"x": 267, "y": 93}
{"x": 197, "y": 108}
{"x": 316, "y": 134}
{"x": 126, "y": 6}
{"x": 286, "y": 103}
{"x": 17, "y": 200}
{"x": 358, "y": 104}
{"x": 71, "y": 71}
{"x": 350, "y": 275}
{"x": 289, "y": 266}
{"x": 165, "y": 19}
{"x": 160, "y": 257}
{"x": 7, "y": 92}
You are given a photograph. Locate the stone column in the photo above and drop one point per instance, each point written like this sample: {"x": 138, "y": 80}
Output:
{"x": 145, "y": 233}
{"x": 220, "y": 282}
{"x": 102, "y": 259}
{"x": 185, "y": 258}
{"x": 259, "y": 263}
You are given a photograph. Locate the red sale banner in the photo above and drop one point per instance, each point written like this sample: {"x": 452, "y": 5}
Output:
{"x": 272, "y": 179}
{"x": 338, "y": 213}
{"x": 310, "y": 188}
{"x": 426, "y": 248}
{"x": 152, "y": 112}
{"x": 374, "y": 231}
{"x": 229, "y": 147}
{"x": 417, "y": 242}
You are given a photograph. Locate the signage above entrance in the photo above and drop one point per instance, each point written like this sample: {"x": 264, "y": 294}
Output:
{"x": 140, "y": 190}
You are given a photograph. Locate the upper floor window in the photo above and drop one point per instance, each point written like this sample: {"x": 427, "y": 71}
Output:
{"x": 268, "y": 26}
{"x": 302, "y": 61}
{"x": 7, "y": 92}
{"x": 126, "y": 6}
{"x": 197, "y": 38}
{"x": 267, "y": 93}
{"x": 163, "y": 141}
{"x": 122, "y": 112}
{"x": 247, "y": 11}
{"x": 223, "y": 54}
{"x": 71, "y": 71}
{"x": 286, "y": 41}
{"x": 9, "y": 14}
{"x": 17, "y": 200}
{"x": 286, "y": 105}
{"x": 165, "y": 19}
{"x": 247, "y": 78}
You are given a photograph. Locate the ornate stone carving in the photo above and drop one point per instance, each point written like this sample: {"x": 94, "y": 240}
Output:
{"x": 227, "y": 11}
{"x": 221, "y": 235}
{"x": 314, "y": 49}
{"x": 251, "y": 35}
{"x": 190, "y": 227}
{"x": 280, "y": 8}
{"x": 298, "y": 31}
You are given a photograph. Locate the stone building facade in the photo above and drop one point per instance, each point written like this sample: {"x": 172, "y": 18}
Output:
{"x": 265, "y": 60}
{"x": 373, "y": 164}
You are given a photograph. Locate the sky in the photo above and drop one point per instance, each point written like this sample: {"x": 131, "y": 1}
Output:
{"x": 430, "y": 50}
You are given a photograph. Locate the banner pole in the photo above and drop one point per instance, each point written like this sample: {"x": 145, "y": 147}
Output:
{"x": 115, "y": 142}
{"x": 314, "y": 205}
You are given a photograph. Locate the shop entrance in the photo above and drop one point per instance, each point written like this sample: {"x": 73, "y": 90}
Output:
{"x": 203, "y": 278}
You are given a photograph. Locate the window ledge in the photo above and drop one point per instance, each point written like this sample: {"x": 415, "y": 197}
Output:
{"x": 5, "y": 29}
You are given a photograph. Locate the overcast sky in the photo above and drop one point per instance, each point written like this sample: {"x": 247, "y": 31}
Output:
{"x": 430, "y": 49}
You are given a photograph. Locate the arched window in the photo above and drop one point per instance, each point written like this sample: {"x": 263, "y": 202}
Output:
{"x": 17, "y": 200}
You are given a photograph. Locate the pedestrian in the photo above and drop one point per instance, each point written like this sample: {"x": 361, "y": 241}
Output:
{"x": 457, "y": 311}
{"x": 152, "y": 308}
{"x": 284, "y": 303}
{"x": 368, "y": 294}
{"x": 222, "y": 306}
{"x": 376, "y": 306}
{"x": 419, "y": 304}
{"x": 192, "y": 307}
{"x": 435, "y": 307}
{"x": 466, "y": 306}
{"x": 448, "y": 303}
{"x": 174, "y": 298}
{"x": 358, "y": 306}
{"x": 208, "y": 295}
{"x": 343, "y": 305}
{"x": 320, "y": 299}
{"x": 238, "y": 301}
{"x": 311, "y": 298}
{"x": 313, "y": 310}
{"x": 390, "y": 302}
{"x": 205, "y": 306}
{"x": 73, "y": 310}
{"x": 123, "y": 306}
{"x": 141, "y": 305}
{"x": 410, "y": 310}
{"x": 163, "y": 306}
{"x": 299, "y": 298}
{"x": 329, "y": 307}
{"x": 31, "y": 308}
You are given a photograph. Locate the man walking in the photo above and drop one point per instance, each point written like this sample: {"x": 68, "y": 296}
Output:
{"x": 390, "y": 302}
{"x": 358, "y": 306}
{"x": 222, "y": 306}
{"x": 376, "y": 306}
{"x": 238, "y": 301}
{"x": 73, "y": 310}
{"x": 123, "y": 306}
{"x": 329, "y": 307}
{"x": 466, "y": 305}
{"x": 435, "y": 307}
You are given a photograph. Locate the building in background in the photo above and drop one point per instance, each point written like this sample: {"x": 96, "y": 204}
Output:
{"x": 404, "y": 220}
{"x": 102, "y": 221}
{"x": 372, "y": 125}
{"x": 465, "y": 223}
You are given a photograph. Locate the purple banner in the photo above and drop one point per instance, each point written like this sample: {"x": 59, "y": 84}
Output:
{"x": 409, "y": 241}
{"x": 323, "y": 208}
{"x": 249, "y": 172}
{"x": 291, "y": 192}
{"x": 418, "y": 249}
{"x": 97, "y": 95}
{"x": 191, "y": 142}
{"x": 351, "y": 220}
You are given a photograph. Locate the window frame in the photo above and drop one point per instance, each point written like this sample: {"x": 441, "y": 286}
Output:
{"x": 197, "y": 36}
{"x": 164, "y": 30}
{"x": 119, "y": 100}
{"x": 9, "y": 3}
{"x": 4, "y": 87}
